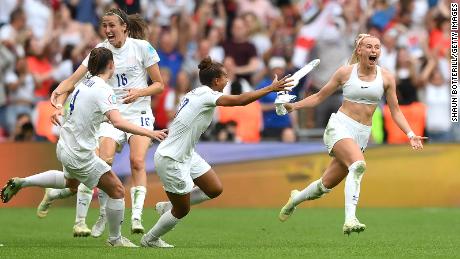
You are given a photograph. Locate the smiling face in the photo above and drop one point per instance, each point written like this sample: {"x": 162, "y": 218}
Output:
{"x": 220, "y": 82}
{"x": 114, "y": 29}
{"x": 369, "y": 51}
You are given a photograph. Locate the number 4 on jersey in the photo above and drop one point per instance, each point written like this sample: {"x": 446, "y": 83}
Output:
{"x": 72, "y": 102}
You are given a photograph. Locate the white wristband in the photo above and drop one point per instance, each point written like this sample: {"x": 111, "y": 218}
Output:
{"x": 58, "y": 106}
{"x": 410, "y": 134}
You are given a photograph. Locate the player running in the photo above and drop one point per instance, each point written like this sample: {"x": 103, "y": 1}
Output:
{"x": 347, "y": 133}
{"x": 92, "y": 103}
{"x": 177, "y": 163}
{"x": 134, "y": 59}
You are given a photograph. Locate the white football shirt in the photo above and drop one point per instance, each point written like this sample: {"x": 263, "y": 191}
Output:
{"x": 131, "y": 61}
{"x": 194, "y": 114}
{"x": 89, "y": 102}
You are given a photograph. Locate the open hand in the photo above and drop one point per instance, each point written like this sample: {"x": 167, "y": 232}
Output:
{"x": 160, "y": 135}
{"x": 289, "y": 107}
{"x": 131, "y": 95}
{"x": 56, "y": 116}
{"x": 280, "y": 85}
{"x": 417, "y": 142}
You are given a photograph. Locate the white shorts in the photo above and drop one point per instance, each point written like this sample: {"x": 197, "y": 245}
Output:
{"x": 108, "y": 130}
{"x": 340, "y": 126}
{"x": 177, "y": 177}
{"x": 87, "y": 171}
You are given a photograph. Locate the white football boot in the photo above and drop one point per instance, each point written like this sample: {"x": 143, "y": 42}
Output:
{"x": 98, "y": 229}
{"x": 158, "y": 243}
{"x": 353, "y": 225}
{"x": 121, "y": 242}
{"x": 80, "y": 229}
{"x": 289, "y": 208}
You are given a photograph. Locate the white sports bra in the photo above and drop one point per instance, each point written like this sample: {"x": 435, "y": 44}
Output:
{"x": 358, "y": 91}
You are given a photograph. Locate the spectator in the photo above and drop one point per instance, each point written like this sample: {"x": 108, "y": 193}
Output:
{"x": 23, "y": 130}
{"x": 169, "y": 55}
{"x": 436, "y": 96}
{"x": 274, "y": 126}
{"x": 20, "y": 84}
{"x": 10, "y": 33}
{"x": 174, "y": 96}
{"x": 241, "y": 51}
{"x": 406, "y": 77}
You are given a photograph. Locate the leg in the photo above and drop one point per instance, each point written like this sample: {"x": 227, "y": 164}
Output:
{"x": 138, "y": 147}
{"x": 333, "y": 175}
{"x": 48, "y": 179}
{"x": 350, "y": 154}
{"x": 115, "y": 210}
{"x": 106, "y": 151}
{"x": 208, "y": 185}
{"x": 167, "y": 221}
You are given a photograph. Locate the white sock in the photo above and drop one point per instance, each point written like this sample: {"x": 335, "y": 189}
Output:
{"x": 313, "y": 191}
{"x": 115, "y": 213}
{"x": 57, "y": 194}
{"x": 84, "y": 196}
{"x": 103, "y": 197}
{"x": 197, "y": 196}
{"x": 137, "y": 201}
{"x": 164, "y": 224}
{"x": 47, "y": 179}
{"x": 352, "y": 188}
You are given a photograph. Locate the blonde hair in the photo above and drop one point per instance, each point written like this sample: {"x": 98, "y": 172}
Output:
{"x": 354, "y": 57}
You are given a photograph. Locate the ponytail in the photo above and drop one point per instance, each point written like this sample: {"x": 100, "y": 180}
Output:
{"x": 137, "y": 27}
{"x": 354, "y": 57}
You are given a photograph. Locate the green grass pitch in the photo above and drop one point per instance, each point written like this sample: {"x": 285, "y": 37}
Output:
{"x": 244, "y": 233}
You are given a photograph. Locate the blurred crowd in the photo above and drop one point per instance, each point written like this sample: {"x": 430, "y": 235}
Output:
{"x": 43, "y": 41}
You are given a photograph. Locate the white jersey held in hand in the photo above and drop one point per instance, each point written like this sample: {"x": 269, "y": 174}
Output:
{"x": 193, "y": 117}
{"x": 285, "y": 97}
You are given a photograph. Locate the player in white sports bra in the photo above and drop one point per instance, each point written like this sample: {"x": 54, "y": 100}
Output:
{"x": 347, "y": 133}
{"x": 135, "y": 59}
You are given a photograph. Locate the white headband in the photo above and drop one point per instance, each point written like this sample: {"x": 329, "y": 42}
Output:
{"x": 112, "y": 13}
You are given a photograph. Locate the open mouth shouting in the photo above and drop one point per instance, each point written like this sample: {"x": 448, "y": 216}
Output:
{"x": 111, "y": 37}
{"x": 373, "y": 59}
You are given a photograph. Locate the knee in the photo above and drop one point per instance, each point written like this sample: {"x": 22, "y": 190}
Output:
{"x": 118, "y": 192}
{"x": 358, "y": 167}
{"x": 137, "y": 163}
{"x": 215, "y": 192}
{"x": 83, "y": 189}
{"x": 180, "y": 211}
{"x": 108, "y": 160}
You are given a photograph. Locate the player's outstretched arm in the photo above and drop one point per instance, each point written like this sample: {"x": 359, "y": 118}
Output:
{"x": 246, "y": 98}
{"x": 63, "y": 90}
{"x": 118, "y": 122}
{"x": 396, "y": 114}
{"x": 315, "y": 99}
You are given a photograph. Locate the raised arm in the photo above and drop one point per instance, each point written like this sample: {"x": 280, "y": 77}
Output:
{"x": 155, "y": 88}
{"x": 328, "y": 89}
{"x": 118, "y": 122}
{"x": 63, "y": 90}
{"x": 249, "y": 97}
{"x": 396, "y": 114}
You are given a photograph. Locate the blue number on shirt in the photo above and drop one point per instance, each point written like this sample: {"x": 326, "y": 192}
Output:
{"x": 145, "y": 121}
{"x": 72, "y": 102}
{"x": 182, "y": 105}
{"x": 122, "y": 80}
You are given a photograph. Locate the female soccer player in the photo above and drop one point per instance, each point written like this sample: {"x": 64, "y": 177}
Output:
{"x": 177, "y": 163}
{"x": 363, "y": 83}
{"x": 134, "y": 60}
{"x": 92, "y": 103}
